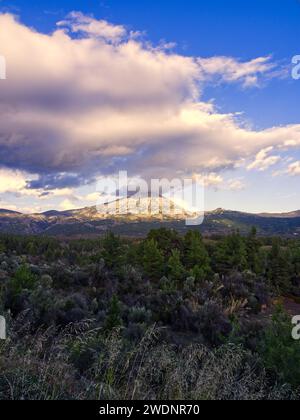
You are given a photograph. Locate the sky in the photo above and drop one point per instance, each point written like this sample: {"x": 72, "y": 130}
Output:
{"x": 200, "y": 89}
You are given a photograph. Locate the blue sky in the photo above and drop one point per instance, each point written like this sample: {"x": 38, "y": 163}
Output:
{"x": 241, "y": 31}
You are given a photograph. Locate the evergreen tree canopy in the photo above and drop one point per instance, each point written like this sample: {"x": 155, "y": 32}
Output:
{"x": 112, "y": 251}
{"x": 196, "y": 257}
{"x": 176, "y": 271}
{"x": 153, "y": 261}
{"x": 230, "y": 254}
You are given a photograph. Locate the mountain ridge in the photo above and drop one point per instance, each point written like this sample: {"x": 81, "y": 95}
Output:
{"x": 89, "y": 221}
{"x": 93, "y": 209}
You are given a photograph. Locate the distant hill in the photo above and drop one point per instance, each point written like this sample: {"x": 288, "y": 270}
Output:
{"x": 11, "y": 212}
{"x": 92, "y": 221}
{"x": 289, "y": 215}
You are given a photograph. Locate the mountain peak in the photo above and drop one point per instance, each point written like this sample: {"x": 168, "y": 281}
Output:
{"x": 218, "y": 211}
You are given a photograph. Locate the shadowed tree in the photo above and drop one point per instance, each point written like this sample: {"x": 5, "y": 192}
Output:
{"x": 153, "y": 261}
{"x": 167, "y": 240}
{"x": 230, "y": 254}
{"x": 252, "y": 250}
{"x": 113, "y": 319}
{"x": 112, "y": 251}
{"x": 279, "y": 270}
{"x": 176, "y": 271}
{"x": 196, "y": 257}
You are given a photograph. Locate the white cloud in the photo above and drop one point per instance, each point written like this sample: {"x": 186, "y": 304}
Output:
{"x": 69, "y": 204}
{"x": 11, "y": 181}
{"x": 78, "y": 22}
{"x": 14, "y": 183}
{"x": 216, "y": 181}
{"x": 92, "y": 197}
{"x": 263, "y": 160}
{"x": 104, "y": 101}
{"x": 294, "y": 169}
{"x": 236, "y": 185}
{"x": 231, "y": 70}
{"x": 210, "y": 179}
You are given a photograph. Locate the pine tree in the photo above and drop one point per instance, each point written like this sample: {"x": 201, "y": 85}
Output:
{"x": 112, "y": 251}
{"x": 279, "y": 267}
{"x": 167, "y": 240}
{"x": 2, "y": 247}
{"x": 153, "y": 261}
{"x": 252, "y": 250}
{"x": 230, "y": 254}
{"x": 295, "y": 261}
{"x": 176, "y": 270}
{"x": 196, "y": 257}
{"x": 32, "y": 248}
{"x": 113, "y": 319}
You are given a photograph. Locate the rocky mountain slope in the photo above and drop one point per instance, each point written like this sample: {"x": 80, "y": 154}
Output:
{"x": 95, "y": 221}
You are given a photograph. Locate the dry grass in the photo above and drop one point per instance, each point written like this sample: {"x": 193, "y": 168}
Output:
{"x": 40, "y": 367}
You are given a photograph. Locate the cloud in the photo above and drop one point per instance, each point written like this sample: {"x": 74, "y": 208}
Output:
{"x": 263, "y": 161}
{"x": 92, "y": 197}
{"x": 69, "y": 204}
{"x": 78, "y": 22}
{"x": 236, "y": 185}
{"x": 231, "y": 70}
{"x": 90, "y": 99}
{"x": 11, "y": 181}
{"x": 216, "y": 181}
{"x": 294, "y": 169}
{"x": 210, "y": 179}
{"x": 15, "y": 182}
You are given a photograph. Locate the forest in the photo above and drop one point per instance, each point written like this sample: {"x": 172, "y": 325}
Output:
{"x": 167, "y": 317}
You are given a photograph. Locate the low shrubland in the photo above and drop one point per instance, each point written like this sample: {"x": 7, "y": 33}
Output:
{"x": 168, "y": 317}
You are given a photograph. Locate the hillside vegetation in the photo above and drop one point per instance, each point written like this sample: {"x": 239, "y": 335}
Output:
{"x": 165, "y": 317}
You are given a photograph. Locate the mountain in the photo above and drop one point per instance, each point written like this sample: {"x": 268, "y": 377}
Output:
{"x": 289, "y": 215}
{"x": 91, "y": 221}
{"x": 10, "y": 212}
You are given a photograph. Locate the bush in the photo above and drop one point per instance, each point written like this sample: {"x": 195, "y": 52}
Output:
{"x": 280, "y": 352}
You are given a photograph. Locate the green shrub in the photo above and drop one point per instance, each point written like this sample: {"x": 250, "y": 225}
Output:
{"x": 22, "y": 280}
{"x": 280, "y": 352}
